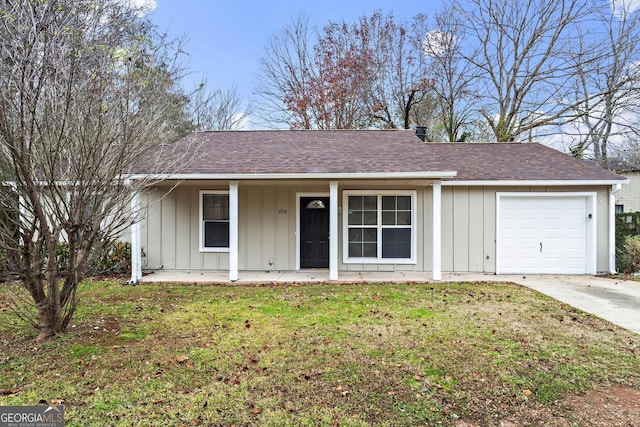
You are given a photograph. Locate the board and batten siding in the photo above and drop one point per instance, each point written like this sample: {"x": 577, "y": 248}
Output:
{"x": 169, "y": 232}
{"x": 267, "y": 227}
{"x": 267, "y": 224}
{"x": 469, "y": 226}
{"x": 629, "y": 194}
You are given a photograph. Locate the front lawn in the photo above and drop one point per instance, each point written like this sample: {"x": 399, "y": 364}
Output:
{"x": 462, "y": 354}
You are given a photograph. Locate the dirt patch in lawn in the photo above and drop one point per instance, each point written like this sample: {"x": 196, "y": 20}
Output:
{"x": 613, "y": 406}
{"x": 607, "y": 407}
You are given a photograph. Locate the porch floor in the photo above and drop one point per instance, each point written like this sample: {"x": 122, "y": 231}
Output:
{"x": 310, "y": 276}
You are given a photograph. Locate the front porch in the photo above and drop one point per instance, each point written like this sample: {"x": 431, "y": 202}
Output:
{"x": 276, "y": 226}
{"x": 308, "y": 276}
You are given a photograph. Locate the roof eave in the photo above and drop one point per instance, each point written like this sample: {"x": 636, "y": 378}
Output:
{"x": 302, "y": 176}
{"x": 534, "y": 183}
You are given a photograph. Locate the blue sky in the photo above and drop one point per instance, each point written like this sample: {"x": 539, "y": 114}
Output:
{"x": 225, "y": 38}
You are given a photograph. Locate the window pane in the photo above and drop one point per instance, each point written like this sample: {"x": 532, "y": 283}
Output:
{"x": 371, "y": 218}
{"x": 355, "y": 203}
{"x": 355, "y": 235}
{"x": 388, "y": 218}
{"x": 396, "y": 243}
{"x": 355, "y": 250}
{"x": 215, "y": 207}
{"x": 216, "y": 234}
{"x": 404, "y": 203}
{"x": 355, "y": 218}
{"x": 404, "y": 218}
{"x": 389, "y": 203}
{"x": 369, "y": 235}
{"x": 370, "y": 250}
{"x": 370, "y": 203}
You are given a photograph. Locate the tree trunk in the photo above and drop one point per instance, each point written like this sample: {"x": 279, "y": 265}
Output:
{"x": 46, "y": 321}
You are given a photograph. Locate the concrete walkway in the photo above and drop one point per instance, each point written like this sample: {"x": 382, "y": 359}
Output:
{"x": 617, "y": 301}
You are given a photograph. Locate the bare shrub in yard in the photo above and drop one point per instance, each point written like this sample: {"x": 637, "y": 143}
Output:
{"x": 87, "y": 89}
{"x": 631, "y": 254}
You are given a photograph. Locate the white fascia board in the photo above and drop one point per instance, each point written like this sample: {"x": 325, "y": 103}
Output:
{"x": 542, "y": 183}
{"x": 275, "y": 176}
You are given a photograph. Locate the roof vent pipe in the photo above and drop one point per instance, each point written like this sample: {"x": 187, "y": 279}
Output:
{"x": 421, "y": 132}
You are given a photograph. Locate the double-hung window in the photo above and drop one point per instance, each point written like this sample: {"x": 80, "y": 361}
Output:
{"x": 214, "y": 221}
{"x": 379, "y": 226}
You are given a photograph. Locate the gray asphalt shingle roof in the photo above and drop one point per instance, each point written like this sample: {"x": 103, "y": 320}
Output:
{"x": 372, "y": 151}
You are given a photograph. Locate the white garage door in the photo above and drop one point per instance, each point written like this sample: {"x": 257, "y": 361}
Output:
{"x": 544, "y": 234}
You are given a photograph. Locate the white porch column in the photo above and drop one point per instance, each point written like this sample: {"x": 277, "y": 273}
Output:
{"x": 136, "y": 245}
{"x": 437, "y": 231}
{"x": 612, "y": 227}
{"x": 233, "y": 231}
{"x": 333, "y": 230}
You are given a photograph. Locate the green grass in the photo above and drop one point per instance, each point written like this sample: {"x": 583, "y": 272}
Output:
{"x": 348, "y": 355}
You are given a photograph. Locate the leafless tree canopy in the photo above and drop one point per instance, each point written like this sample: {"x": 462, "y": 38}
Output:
{"x": 452, "y": 77}
{"x": 501, "y": 70}
{"x": 86, "y": 89}
{"x": 523, "y": 53}
{"x": 609, "y": 87}
{"x": 287, "y": 72}
{"x": 218, "y": 109}
{"x": 370, "y": 73}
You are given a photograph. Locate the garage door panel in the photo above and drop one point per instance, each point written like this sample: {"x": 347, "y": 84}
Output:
{"x": 558, "y": 223}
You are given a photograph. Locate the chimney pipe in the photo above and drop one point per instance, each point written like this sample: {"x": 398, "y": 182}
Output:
{"x": 421, "y": 132}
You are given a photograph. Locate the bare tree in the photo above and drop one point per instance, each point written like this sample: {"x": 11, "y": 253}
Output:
{"x": 399, "y": 86}
{"x": 452, "y": 77}
{"x": 609, "y": 87}
{"x": 84, "y": 93}
{"x": 287, "y": 73}
{"x": 521, "y": 49}
{"x": 354, "y": 75}
{"x": 345, "y": 65}
{"x": 218, "y": 109}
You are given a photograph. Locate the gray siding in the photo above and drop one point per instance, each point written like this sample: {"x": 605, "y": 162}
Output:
{"x": 629, "y": 195}
{"x": 267, "y": 226}
{"x": 469, "y": 226}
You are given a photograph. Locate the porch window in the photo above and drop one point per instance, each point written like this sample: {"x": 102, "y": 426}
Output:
{"x": 380, "y": 227}
{"x": 214, "y": 221}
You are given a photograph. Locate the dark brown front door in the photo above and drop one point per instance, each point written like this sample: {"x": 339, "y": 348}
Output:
{"x": 314, "y": 232}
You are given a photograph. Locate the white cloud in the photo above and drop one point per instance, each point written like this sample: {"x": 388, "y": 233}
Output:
{"x": 437, "y": 42}
{"x": 242, "y": 121}
{"x": 146, "y": 5}
{"x": 619, "y": 7}
{"x": 141, "y": 6}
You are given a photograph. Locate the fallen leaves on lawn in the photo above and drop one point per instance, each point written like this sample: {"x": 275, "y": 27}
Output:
{"x": 343, "y": 391}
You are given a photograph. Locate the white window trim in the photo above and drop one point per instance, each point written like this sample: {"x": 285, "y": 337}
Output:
{"x": 201, "y": 221}
{"x": 379, "y": 259}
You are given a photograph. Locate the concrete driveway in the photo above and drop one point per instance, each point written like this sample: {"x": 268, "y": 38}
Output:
{"x": 617, "y": 301}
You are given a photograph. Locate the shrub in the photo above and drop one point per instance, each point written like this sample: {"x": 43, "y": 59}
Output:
{"x": 116, "y": 260}
{"x": 631, "y": 255}
{"x": 627, "y": 224}
{"x": 5, "y": 271}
